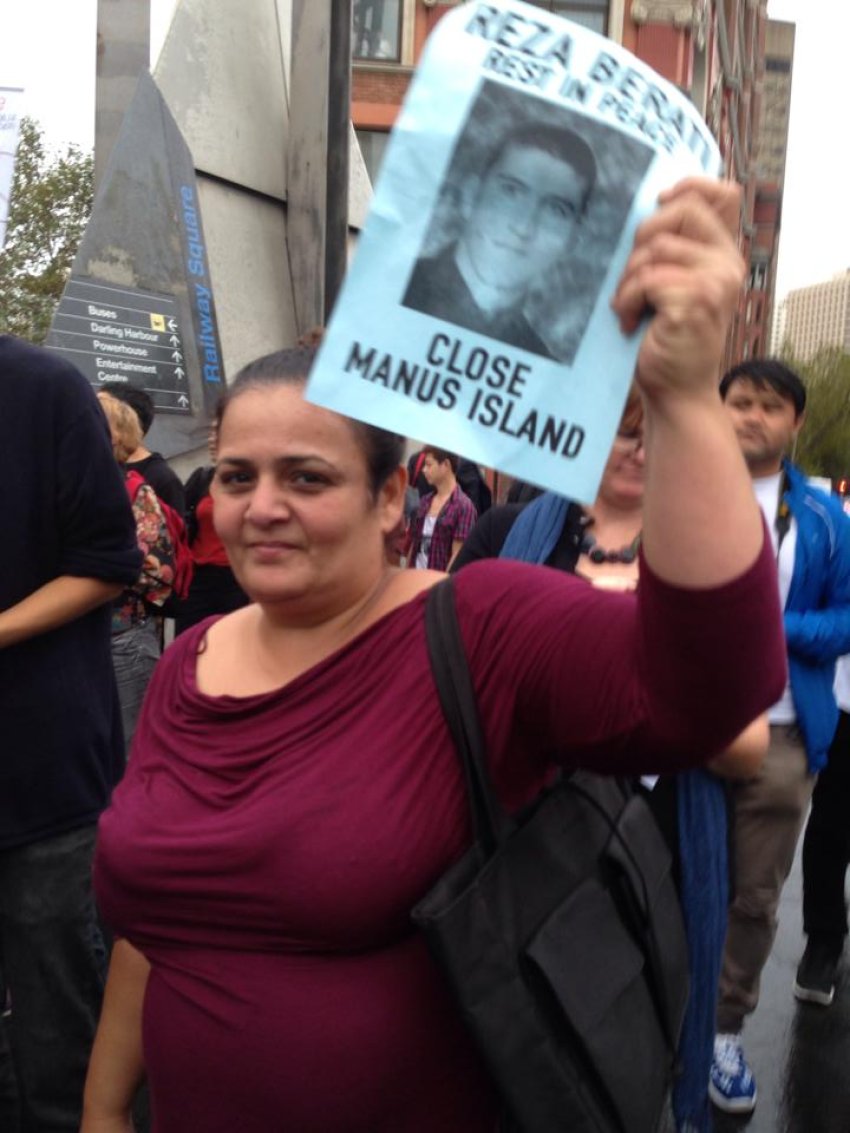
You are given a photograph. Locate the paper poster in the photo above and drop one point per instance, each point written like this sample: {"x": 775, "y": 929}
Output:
{"x": 475, "y": 315}
{"x": 11, "y": 109}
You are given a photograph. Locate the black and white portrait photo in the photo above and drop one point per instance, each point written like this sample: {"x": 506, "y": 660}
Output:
{"x": 526, "y": 221}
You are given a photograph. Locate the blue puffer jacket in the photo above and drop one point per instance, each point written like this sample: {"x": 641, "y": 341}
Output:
{"x": 817, "y": 611}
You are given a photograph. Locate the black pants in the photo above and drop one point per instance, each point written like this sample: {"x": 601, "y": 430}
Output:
{"x": 53, "y": 961}
{"x": 826, "y": 846}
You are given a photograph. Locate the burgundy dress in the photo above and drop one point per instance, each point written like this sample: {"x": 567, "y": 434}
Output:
{"x": 264, "y": 852}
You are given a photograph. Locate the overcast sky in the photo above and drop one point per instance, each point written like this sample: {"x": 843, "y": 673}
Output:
{"x": 48, "y": 47}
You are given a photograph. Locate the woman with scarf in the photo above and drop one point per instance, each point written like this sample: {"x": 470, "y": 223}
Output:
{"x": 601, "y": 544}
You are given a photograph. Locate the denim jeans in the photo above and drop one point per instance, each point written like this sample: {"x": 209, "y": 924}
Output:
{"x": 135, "y": 652}
{"x": 53, "y": 961}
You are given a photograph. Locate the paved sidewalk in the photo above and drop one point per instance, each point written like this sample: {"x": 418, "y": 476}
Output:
{"x": 799, "y": 1053}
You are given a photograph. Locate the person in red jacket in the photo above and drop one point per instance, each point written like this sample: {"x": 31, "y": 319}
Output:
{"x": 214, "y": 589}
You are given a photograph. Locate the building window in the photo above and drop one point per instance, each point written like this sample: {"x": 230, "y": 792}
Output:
{"x": 373, "y": 143}
{"x": 376, "y": 30}
{"x": 591, "y": 14}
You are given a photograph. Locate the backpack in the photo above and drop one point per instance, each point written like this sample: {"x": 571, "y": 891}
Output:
{"x": 183, "y": 562}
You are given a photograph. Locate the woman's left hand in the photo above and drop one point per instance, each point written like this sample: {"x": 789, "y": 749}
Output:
{"x": 685, "y": 268}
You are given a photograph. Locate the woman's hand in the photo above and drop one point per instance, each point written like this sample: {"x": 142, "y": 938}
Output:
{"x": 686, "y": 269}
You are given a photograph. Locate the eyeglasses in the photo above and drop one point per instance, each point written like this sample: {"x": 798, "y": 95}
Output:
{"x": 630, "y": 440}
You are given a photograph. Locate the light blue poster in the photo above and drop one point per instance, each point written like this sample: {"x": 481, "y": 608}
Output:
{"x": 476, "y": 314}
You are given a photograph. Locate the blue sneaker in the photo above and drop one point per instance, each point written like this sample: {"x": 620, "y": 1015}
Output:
{"x": 731, "y": 1085}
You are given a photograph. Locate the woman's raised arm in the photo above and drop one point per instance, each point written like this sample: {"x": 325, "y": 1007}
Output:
{"x": 702, "y": 526}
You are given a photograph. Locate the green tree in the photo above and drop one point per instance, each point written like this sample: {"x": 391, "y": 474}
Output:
{"x": 823, "y": 448}
{"x": 48, "y": 211}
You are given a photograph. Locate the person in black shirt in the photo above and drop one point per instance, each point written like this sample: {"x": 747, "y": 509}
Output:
{"x": 69, "y": 549}
{"x": 150, "y": 465}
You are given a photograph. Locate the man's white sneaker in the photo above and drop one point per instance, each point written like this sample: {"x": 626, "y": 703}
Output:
{"x": 731, "y": 1085}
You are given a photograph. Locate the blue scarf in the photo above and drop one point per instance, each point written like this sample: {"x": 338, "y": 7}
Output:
{"x": 703, "y": 859}
{"x": 536, "y": 529}
{"x": 704, "y": 869}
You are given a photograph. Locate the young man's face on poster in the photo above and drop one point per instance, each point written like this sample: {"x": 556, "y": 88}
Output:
{"x": 521, "y": 220}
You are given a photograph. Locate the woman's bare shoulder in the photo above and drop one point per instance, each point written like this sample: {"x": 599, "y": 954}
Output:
{"x": 229, "y": 628}
{"x": 406, "y": 585}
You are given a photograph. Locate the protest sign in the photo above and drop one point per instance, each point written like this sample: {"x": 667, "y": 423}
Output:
{"x": 11, "y": 99}
{"x": 476, "y": 313}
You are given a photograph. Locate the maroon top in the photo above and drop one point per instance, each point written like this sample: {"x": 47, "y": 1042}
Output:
{"x": 264, "y": 852}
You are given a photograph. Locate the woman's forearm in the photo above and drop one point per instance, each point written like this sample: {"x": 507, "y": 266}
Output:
{"x": 116, "y": 1068}
{"x": 702, "y": 526}
{"x": 701, "y": 523}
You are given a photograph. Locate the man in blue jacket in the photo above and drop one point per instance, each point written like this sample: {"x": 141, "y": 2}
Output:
{"x": 811, "y": 539}
{"x": 69, "y": 547}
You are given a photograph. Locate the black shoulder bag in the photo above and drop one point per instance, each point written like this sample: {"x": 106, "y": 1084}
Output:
{"x": 559, "y": 932}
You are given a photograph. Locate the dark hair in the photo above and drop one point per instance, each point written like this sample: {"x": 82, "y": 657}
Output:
{"x": 564, "y": 144}
{"x": 383, "y": 450}
{"x": 137, "y": 399}
{"x": 768, "y": 372}
{"x": 441, "y": 455}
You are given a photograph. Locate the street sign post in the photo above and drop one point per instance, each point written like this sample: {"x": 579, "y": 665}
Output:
{"x": 125, "y": 336}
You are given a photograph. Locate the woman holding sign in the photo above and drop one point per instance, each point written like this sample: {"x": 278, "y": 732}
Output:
{"x": 294, "y": 790}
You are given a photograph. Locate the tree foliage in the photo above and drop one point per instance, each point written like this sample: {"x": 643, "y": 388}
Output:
{"x": 49, "y": 207}
{"x": 823, "y": 448}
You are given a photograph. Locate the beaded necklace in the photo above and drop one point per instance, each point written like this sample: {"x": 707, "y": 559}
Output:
{"x": 588, "y": 546}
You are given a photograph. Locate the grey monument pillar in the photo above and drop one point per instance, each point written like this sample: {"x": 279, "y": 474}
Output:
{"x": 123, "y": 53}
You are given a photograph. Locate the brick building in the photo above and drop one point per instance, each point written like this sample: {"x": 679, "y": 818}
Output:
{"x": 712, "y": 49}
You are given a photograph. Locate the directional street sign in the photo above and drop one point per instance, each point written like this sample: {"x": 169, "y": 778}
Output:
{"x": 138, "y": 308}
{"x": 124, "y": 336}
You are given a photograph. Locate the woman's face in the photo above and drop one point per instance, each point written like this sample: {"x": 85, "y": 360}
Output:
{"x": 292, "y": 502}
{"x": 623, "y": 479}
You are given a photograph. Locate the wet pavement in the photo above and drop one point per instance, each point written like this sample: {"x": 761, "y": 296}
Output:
{"x": 800, "y": 1053}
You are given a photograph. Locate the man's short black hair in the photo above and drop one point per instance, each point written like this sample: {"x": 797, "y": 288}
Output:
{"x": 768, "y": 372}
{"x": 442, "y": 455}
{"x": 561, "y": 143}
{"x": 137, "y": 399}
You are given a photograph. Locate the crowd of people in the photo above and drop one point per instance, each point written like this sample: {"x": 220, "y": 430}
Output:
{"x": 289, "y": 790}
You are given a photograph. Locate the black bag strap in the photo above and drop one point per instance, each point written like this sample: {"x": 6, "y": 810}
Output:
{"x": 490, "y": 824}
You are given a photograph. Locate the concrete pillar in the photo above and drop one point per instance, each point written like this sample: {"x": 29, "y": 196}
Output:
{"x": 318, "y": 155}
{"x": 123, "y": 52}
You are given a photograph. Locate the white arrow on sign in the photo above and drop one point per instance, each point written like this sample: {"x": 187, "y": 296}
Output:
{"x": 172, "y": 324}
{"x": 180, "y": 372}
{"x": 174, "y": 340}
{"x": 182, "y": 400}
{"x": 177, "y": 356}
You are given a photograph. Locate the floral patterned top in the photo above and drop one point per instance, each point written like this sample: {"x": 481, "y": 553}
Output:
{"x": 154, "y": 583}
